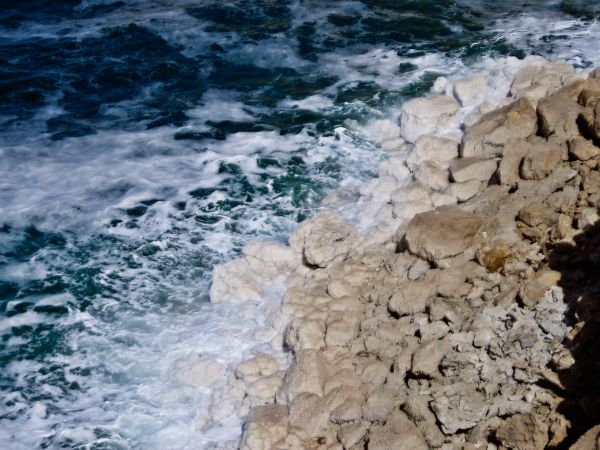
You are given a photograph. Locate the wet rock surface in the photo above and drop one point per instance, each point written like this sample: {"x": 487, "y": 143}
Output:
{"x": 468, "y": 318}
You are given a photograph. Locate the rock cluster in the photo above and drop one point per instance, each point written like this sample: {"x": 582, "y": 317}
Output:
{"x": 447, "y": 326}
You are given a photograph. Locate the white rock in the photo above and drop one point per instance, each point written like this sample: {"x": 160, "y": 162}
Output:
{"x": 235, "y": 281}
{"x": 432, "y": 175}
{"x": 323, "y": 239}
{"x": 427, "y": 115}
{"x": 394, "y": 167}
{"x": 470, "y": 91}
{"x": 432, "y": 148}
{"x": 270, "y": 257}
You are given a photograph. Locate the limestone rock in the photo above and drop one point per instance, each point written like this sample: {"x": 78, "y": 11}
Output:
{"x": 582, "y": 149}
{"x": 399, "y": 433}
{"x": 411, "y": 297}
{"x": 256, "y": 367}
{"x": 465, "y": 190}
{"x": 441, "y": 234}
{"x": 540, "y": 161}
{"x": 427, "y": 358}
{"x": 472, "y": 168}
{"x": 523, "y": 432}
{"x": 323, "y": 239}
{"x": 510, "y": 165}
{"x": 431, "y": 174}
{"x": 443, "y": 199}
{"x": 236, "y": 281}
{"x": 264, "y": 427}
{"x": 307, "y": 374}
{"x": 540, "y": 77}
{"x": 394, "y": 167}
{"x": 470, "y": 91}
{"x": 589, "y": 441}
{"x": 432, "y": 148}
{"x": 558, "y": 115}
{"x": 310, "y": 414}
{"x": 487, "y": 137}
{"x": 427, "y": 115}
{"x": 458, "y": 406}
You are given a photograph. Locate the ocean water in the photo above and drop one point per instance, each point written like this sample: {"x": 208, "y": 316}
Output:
{"x": 143, "y": 142}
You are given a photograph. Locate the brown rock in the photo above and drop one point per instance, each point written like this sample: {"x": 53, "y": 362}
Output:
{"x": 523, "y": 432}
{"x": 589, "y": 441}
{"x": 441, "y": 234}
{"x": 495, "y": 255}
{"x": 540, "y": 161}
{"x": 509, "y": 167}
{"x": 488, "y": 136}
{"x": 591, "y": 182}
{"x": 558, "y": 113}
{"x": 399, "y": 433}
{"x": 582, "y": 149}
{"x": 309, "y": 413}
{"x": 534, "y": 214}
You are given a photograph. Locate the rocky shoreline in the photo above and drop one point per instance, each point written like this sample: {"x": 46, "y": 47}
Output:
{"x": 459, "y": 312}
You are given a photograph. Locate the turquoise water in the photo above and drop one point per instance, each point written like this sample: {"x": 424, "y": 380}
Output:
{"x": 141, "y": 143}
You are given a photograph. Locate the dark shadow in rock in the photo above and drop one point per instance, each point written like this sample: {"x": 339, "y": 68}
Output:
{"x": 579, "y": 266}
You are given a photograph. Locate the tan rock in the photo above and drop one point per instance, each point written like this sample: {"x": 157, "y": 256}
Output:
{"x": 441, "y": 234}
{"x": 399, "y": 433}
{"x": 523, "y": 432}
{"x": 510, "y": 164}
{"x": 432, "y": 148}
{"x": 470, "y": 91}
{"x": 308, "y": 413}
{"x": 535, "y": 214}
{"x": 558, "y": 114}
{"x": 323, "y": 239}
{"x": 465, "y": 190}
{"x": 432, "y": 175}
{"x": 443, "y": 199}
{"x": 582, "y": 149}
{"x": 264, "y": 427}
{"x": 427, "y": 115}
{"x": 540, "y": 161}
{"x": 307, "y": 373}
{"x": 411, "y": 297}
{"x": 487, "y": 137}
{"x": 352, "y": 433}
{"x": 472, "y": 168}
{"x": 458, "y": 406}
{"x": 426, "y": 360}
{"x": 589, "y": 441}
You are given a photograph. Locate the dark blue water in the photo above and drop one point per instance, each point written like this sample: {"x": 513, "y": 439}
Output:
{"x": 142, "y": 142}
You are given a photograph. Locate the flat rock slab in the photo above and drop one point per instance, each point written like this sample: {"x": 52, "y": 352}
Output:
{"x": 443, "y": 233}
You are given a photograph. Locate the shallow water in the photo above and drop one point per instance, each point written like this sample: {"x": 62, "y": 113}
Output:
{"x": 141, "y": 143}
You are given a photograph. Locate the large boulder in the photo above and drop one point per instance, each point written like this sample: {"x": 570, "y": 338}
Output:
{"x": 323, "y": 239}
{"x": 488, "y": 136}
{"x": 558, "y": 113}
{"x": 441, "y": 234}
{"x": 427, "y": 115}
{"x": 582, "y": 149}
{"x": 540, "y": 77}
